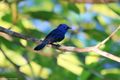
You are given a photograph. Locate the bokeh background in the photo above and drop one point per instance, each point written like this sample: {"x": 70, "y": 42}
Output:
{"x": 90, "y": 22}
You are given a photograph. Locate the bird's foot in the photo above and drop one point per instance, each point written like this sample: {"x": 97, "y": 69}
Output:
{"x": 55, "y": 45}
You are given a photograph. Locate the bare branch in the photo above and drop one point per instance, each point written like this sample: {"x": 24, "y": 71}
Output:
{"x": 74, "y": 49}
{"x": 67, "y": 48}
{"x": 105, "y": 40}
{"x": 15, "y": 34}
{"x": 15, "y": 65}
{"x": 106, "y": 54}
{"x": 92, "y": 1}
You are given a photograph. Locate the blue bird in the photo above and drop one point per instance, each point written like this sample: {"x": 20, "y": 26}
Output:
{"x": 56, "y": 35}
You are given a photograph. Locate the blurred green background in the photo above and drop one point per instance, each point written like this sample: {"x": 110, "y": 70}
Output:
{"x": 90, "y": 23}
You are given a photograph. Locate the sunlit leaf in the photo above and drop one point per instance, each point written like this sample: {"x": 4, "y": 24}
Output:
{"x": 45, "y": 15}
{"x": 73, "y": 8}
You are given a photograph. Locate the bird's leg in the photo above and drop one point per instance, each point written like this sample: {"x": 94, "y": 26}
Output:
{"x": 56, "y": 45}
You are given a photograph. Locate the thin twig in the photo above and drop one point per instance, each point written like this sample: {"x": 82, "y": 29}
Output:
{"x": 14, "y": 11}
{"x": 105, "y": 40}
{"x": 15, "y": 65}
{"x": 20, "y": 74}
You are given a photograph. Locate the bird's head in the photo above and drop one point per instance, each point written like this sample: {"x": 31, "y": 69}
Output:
{"x": 63, "y": 27}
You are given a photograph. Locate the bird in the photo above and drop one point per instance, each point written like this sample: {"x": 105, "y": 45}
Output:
{"x": 55, "y": 35}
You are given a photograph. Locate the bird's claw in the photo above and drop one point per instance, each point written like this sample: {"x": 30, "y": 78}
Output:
{"x": 56, "y": 45}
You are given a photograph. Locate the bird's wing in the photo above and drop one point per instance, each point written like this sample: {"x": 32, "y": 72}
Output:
{"x": 55, "y": 36}
{"x": 51, "y": 34}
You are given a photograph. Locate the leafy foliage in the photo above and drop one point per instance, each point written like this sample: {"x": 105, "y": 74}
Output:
{"x": 90, "y": 23}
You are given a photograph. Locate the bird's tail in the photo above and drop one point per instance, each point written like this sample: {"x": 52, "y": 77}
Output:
{"x": 41, "y": 46}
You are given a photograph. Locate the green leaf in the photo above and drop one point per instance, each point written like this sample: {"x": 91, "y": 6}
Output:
{"x": 96, "y": 34}
{"x": 44, "y": 15}
{"x": 7, "y": 17}
{"x": 112, "y": 76}
{"x": 73, "y": 7}
{"x": 115, "y": 8}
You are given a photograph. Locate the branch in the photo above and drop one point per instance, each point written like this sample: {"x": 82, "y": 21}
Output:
{"x": 106, "y": 54}
{"x": 20, "y": 74}
{"x": 92, "y": 1}
{"x": 15, "y": 65}
{"x": 105, "y": 40}
{"x": 68, "y": 48}
{"x": 15, "y": 34}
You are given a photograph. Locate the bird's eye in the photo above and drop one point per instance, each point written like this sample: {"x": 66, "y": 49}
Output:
{"x": 64, "y": 27}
